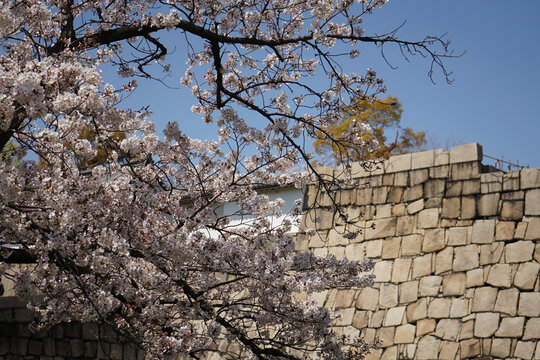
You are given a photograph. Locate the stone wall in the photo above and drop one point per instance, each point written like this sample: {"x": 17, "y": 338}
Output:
{"x": 457, "y": 254}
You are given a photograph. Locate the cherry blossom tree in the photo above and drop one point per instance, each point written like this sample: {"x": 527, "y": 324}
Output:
{"x": 141, "y": 245}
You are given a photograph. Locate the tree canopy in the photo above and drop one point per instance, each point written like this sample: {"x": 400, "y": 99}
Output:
{"x": 141, "y": 247}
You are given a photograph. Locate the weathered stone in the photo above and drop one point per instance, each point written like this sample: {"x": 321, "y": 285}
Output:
{"x": 468, "y": 208}
{"x": 530, "y": 178}
{"x": 532, "y": 202}
{"x": 429, "y": 285}
{"x": 434, "y": 188}
{"x": 398, "y": 163}
{"x": 526, "y": 275}
{"x": 464, "y": 171}
{"x": 383, "y": 271}
{"x": 408, "y": 292}
{"x": 379, "y": 195}
{"x": 383, "y": 228}
{"x": 415, "y": 206}
{"x": 488, "y": 205}
{"x": 469, "y": 348}
{"x": 428, "y": 348}
{"x": 491, "y": 182}
{"x": 390, "y": 353}
{"x": 417, "y": 177}
{"x": 425, "y": 326}
{"x": 386, "y": 334}
{"x": 465, "y": 258}
{"x": 411, "y": 245}
{"x": 471, "y": 187}
{"x": 398, "y": 210}
{"x": 500, "y": 348}
{"x": 454, "y": 284}
{"x": 483, "y": 231}
{"x": 533, "y": 229}
{"x": 413, "y": 193}
{"x": 486, "y": 324}
{"x": 532, "y": 329}
{"x": 529, "y": 304}
{"x": 404, "y": 225}
{"x": 466, "y": 153}
{"x": 355, "y": 252}
{"x": 441, "y": 158}
{"x": 507, "y": 301}
{"x": 421, "y": 266}
{"x": 451, "y": 208}
{"x": 346, "y": 316}
{"x": 453, "y": 188}
{"x": 337, "y": 251}
{"x": 491, "y": 253}
{"x": 448, "y": 329}
{"x": 377, "y": 318}
{"x": 405, "y": 334}
{"x": 433, "y": 240}
{"x": 417, "y": 311}
{"x": 537, "y": 253}
{"x": 457, "y": 236}
{"x": 511, "y": 327}
{"x": 521, "y": 229}
{"x": 511, "y": 210}
{"x": 428, "y": 218}
{"x": 363, "y": 196}
{"x": 361, "y": 319}
{"x": 439, "y": 308}
{"x": 433, "y": 203}
{"x": 368, "y": 299}
{"x": 344, "y": 298}
{"x": 500, "y": 275}
{"x": 35, "y": 347}
{"x": 388, "y": 296}
{"x": 383, "y": 211}
{"x": 443, "y": 260}
{"x": 336, "y": 237}
{"x": 467, "y": 329}
{"x": 459, "y": 308}
{"x": 484, "y": 299}
{"x": 519, "y": 251}
{"x": 424, "y": 159}
{"x": 395, "y": 195}
{"x": 475, "y": 278}
{"x": 390, "y": 248}
{"x": 524, "y": 349}
{"x": 504, "y": 230}
{"x": 401, "y": 269}
{"x": 401, "y": 178}
{"x": 394, "y": 316}
{"x": 374, "y": 248}
{"x": 511, "y": 181}
{"x": 448, "y": 350}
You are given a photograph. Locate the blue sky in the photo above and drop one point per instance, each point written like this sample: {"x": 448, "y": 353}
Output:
{"x": 496, "y": 85}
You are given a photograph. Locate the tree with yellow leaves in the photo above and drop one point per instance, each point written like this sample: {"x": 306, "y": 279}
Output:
{"x": 382, "y": 116}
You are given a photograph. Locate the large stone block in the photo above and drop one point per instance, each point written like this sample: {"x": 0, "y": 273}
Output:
{"x": 527, "y": 275}
{"x": 532, "y": 202}
{"x": 483, "y": 232}
{"x": 465, "y": 257}
{"x": 391, "y": 247}
{"x": 486, "y": 324}
{"x": 512, "y": 210}
{"x": 459, "y": 308}
{"x": 475, "y": 278}
{"x": 511, "y": 327}
{"x": 361, "y": 319}
{"x": 374, "y": 248}
{"x": 533, "y": 229}
{"x": 368, "y": 299}
{"x": 504, "y": 230}
{"x": 422, "y": 266}
{"x": 519, "y": 251}
{"x": 346, "y": 316}
{"x": 448, "y": 329}
{"x": 491, "y": 182}
{"x": 500, "y": 348}
{"x": 468, "y": 207}
{"x": 439, "y": 308}
{"x": 500, "y": 275}
{"x": 404, "y": 225}
{"x": 383, "y": 271}
{"x": 386, "y": 334}
{"x": 415, "y": 206}
{"x": 507, "y": 301}
{"x": 443, "y": 260}
{"x": 401, "y": 270}
{"x": 388, "y": 296}
{"x": 530, "y": 178}
{"x": 488, "y": 205}
{"x": 413, "y": 193}
{"x": 398, "y": 163}
{"x": 451, "y": 208}
{"x": 434, "y": 188}
{"x": 466, "y": 153}
{"x": 428, "y": 348}
{"x": 394, "y": 316}
{"x": 424, "y": 159}
{"x": 529, "y": 304}
{"x": 425, "y": 326}
{"x": 428, "y": 218}
{"x": 532, "y": 330}
{"x": 408, "y": 292}
{"x": 382, "y": 228}
{"x": 469, "y": 348}
{"x": 524, "y": 350}
{"x": 417, "y": 311}
{"x": 464, "y": 171}
{"x": 429, "y": 285}
{"x": 491, "y": 253}
{"x": 484, "y": 299}
{"x": 344, "y": 298}
{"x": 405, "y": 334}
{"x": 411, "y": 245}
{"x": 457, "y": 236}
{"x": 454, "y": 284}
{"x": 433, "y": 240}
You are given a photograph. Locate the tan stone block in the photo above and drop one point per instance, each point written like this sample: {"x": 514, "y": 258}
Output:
{"x": 390, "y": 248}
{"x": 355, "y": 252}
{"x": 337, "y": 251}
{"x": 439, "y": 308}
{"x": 512, "y": 210}
{"x": 398, "y": 163}
{"x": 441, "y": 158}
{"x": 345, "y": 298}
{"x": 411, "y": 245}
{"x": 386, "y": 334}
{"x": 468, "y": 208}
{"x": 425, "y": 326}
{"x": 459, "y": 308}
{"x": 422, "y": 266}
{"x": 475, "y": 277}
{"x": 500, "y": 348}
{"x": 529, "y": 304}
{"x": 401, "y": 270}
{"x": 500, "y": 275}
{"x": 388, "y": 296}
{"x": 483, "y": 232}
{"x": 526, "y": 275}
{"x": 377, "y": 318}
{"x": 471, "y": 187}
{"x": 453, "y": 188}
{"x": 417, "y": 177}
{"x": 469, "y": 348}
{"x": 404, "y": 225}
{"x": 466, "y": 153}
{"x": 530, "y": 178}
{"x": 532, "y": 329}
{"x": 423, "y": 159}
{"x": 415, "y": 206}
{"x": 379, "y": 195}
{"x": 433, "y": 240}
{"x": 511, "y": 327}
{"x": 465, "y": 257}
{"x": 521, "y": 228}
{"x": 405, "y": 334}
{"x": 363, "y": 196}
{"x": 507, "y": 301}
{"x": 454, "y": 284}
{"x": 433, "y": 203}
{"x": 408, "y": 292}
{"x": 511, "y": 181}
{"x": 533, "y": 229}
{"x": 336, "y": 238}
{"x": 395, "y": 194}
{"x": 390, "y": 353}
{"x": 382, "y": 228}
{"x": 457, "y": 236}
{"x": 451, "y": 208}
{"x": 532, "y": 202}
{"x": 398, "y": 210}
{"x": 464, "y": 171}
{"x": 374, "y": 354}
{"x": 401, "y": 178}
{"x": 467, "y": 329}
{"x": 429, "y": 285}
{"x": 449, "y": 350}
{"x": 413, "y": 193}
{"x": 320, "y": 252}
{"x": 428, "y": 348}
{"x": 374, "y": 248}
{"x": 524, "y": 349}
{"x": 491, "y": 253}
{"x": 434, "y": 188}
{"x": 394, "y": 316}
{"x": 346, "y": 316}
{"x": 361, "y": 319}
{"x": 488, "y": 205}
{"x": 383, "y": 271}
{"x": 417, "y": 310}
{"x": 484, "y": 299}
{"x": 448, "y": 329}
{"x": 519, "y": 251}
{"x": 428, "y": 218}
{"x": 486, "y": 324}
{"x": 443, "y": 260}
{"x": 491, "y": 182}
{"x": 504, "y": 230}
{"x": 383, "y": 211}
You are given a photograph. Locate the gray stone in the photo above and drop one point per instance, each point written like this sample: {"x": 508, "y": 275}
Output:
{"x": 466, "y": 153}
{"x": 486, "y": 324}
{"x": 530, "y": 178}
{"x": 417, "y": 177}
{"x": 380, "y": 195}
{"x": 533, "y": 229}
{"x": 398, "y": 163}
{"x": 424, "y": 159}
{"x": 439, "y": 172}
{"x": 453, "y": 188}
{"x": 511, "y": 327}
{"x": 468, "y": 207}
{"x": 434, "y": 188}
{"x": 464, "y": 171}
{"x": 519, "y": 251}
{"x": 483, "y": 232}
{"x": 459, "y": 308}
{"x": 451, "y": 208}
{"x": 413, "y": 193}
{"x": 471, "y": 187}
{"x": 524, "y": 349}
